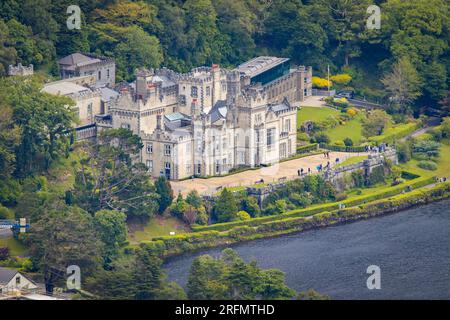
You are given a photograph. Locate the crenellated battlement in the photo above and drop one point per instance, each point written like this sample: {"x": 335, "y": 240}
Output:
{"x": 20, "y": 70}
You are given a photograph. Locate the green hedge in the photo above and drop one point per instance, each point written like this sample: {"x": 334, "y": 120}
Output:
{"x": 307, "y": 148}
{"x": 390, "y": 191}
{"x": 342, "y": 148}
{"x": 166, "y": 246}
{"x": 396, "y": 133}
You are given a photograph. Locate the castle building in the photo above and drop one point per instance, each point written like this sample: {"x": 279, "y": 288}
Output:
{"x": 20, "y": 70}
{"x": 242, "y": 130}
{"x": 206, "y": 122}
{"x": 87, "y": 100}
{"x": 87, "y": 64}
{"x": 279, "y": 80}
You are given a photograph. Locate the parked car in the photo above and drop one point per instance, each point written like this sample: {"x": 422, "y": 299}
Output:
{"x": 345, "y": 94}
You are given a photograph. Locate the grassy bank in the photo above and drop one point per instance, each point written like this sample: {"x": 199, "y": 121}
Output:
{"x": 167, "y": 246}
{"x": 378, "y": 193}
{"x": 207, "y": 239}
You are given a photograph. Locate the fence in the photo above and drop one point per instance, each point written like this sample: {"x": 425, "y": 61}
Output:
{"x": 343, "y": 148}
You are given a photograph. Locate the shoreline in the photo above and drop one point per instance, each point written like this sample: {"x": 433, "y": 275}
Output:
{"x": 172, "y": 247}
{"x": 293, "y": 232}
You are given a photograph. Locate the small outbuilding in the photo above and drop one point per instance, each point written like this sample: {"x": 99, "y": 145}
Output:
{"x": 12, "y": 281}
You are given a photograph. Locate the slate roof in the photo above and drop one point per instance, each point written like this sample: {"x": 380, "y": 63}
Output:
{"x": 77, "y": 59}
{"x": 258, "y": 65}
{"x": 108, "y": 93}
{"x": 165, "y": 82}
{"x": 285, "y": 105}
{"x": 218, "y": 111}
{"x": 6, "y": 275}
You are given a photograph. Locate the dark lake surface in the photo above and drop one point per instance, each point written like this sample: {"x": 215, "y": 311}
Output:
{"x": 412, "y": 249}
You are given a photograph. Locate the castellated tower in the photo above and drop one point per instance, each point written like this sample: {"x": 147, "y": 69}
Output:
{"x": 216, "y": 87}
{"x": 198, "y": 135}
{"x": 144, "y": 83}
{"x": 233, "y": 87}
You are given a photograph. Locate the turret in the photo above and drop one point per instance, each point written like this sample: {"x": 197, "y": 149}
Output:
{"x": 144, "y": 84}
{"x": 233, "y": 86}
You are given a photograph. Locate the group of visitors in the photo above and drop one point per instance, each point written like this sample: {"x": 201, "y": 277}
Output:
{"x": 301, "y": 171}
{"x": 381, "y": 148}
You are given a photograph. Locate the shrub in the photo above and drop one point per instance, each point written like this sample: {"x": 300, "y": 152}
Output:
{"x": 426, "y": 149}
{"x": 342, "y": 103}
{"x": 322, "y": 138}
{"x": 376, "y": 176}
{"x": 376, "y": 123}
{"x": 4, "y": 253}
{"x": 301, "y": 136}
{"x": 339, "y": 143}
{"x": 6, "y": 213}
{"x": 436, "y": 134}
{"x": 395, "y": 133}
{"x": 348, "y": 142}
{"x": 427, "y": 165}
{"x": 320, "y": 83}
{"x": 341, "y": 79}
{"x": 398, "y": 181}
{"x": 307, "y": 148}
{"x": 242, "y": 216}
{"x": 445, "y": 127}
{"x": 404, "y": 152}
{"x": 352, "y": 112}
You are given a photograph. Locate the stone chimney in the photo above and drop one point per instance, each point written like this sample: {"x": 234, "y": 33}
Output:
{"x": 158, "y": 122}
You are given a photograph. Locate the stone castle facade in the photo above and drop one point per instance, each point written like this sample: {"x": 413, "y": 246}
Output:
{"x": 203, "y": 123}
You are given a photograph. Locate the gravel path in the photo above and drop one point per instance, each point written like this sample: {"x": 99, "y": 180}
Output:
{"x": 287, "y": 169}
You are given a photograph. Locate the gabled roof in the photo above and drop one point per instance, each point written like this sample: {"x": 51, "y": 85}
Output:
{"x": 74, "y": 58}
{"x": 285, "y": 105}
{"x": 108, "y": 94}
{"x": 6, "y": 275}
{"x": 218, "y": 111}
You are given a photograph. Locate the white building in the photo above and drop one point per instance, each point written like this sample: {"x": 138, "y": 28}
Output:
{"x": 242, "y": 130}
{"x": 208, "y": 121}
{"x": 12, "y": 281}
{"x": 103, "y": 69}
{"x": 87, "y": 101}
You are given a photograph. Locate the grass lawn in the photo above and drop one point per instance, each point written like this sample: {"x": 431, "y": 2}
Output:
{"x": 156, "y": 227}
{"x": 314, "y": 114}
{"x": 443, "y": 163}
{"x": 15, "y": 247}
{"x": 351, "y": 129}
{"x": 351, "y": 160}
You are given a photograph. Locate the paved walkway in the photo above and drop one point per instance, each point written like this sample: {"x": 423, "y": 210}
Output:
{"x": 312, "y": 101}
{"x": 287, "y": 169}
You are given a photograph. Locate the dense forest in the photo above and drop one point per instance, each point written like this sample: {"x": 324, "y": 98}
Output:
{"x": 181, "y": 34}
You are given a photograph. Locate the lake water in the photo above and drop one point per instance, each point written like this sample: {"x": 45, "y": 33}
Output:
{"x": 412, "y": 249}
